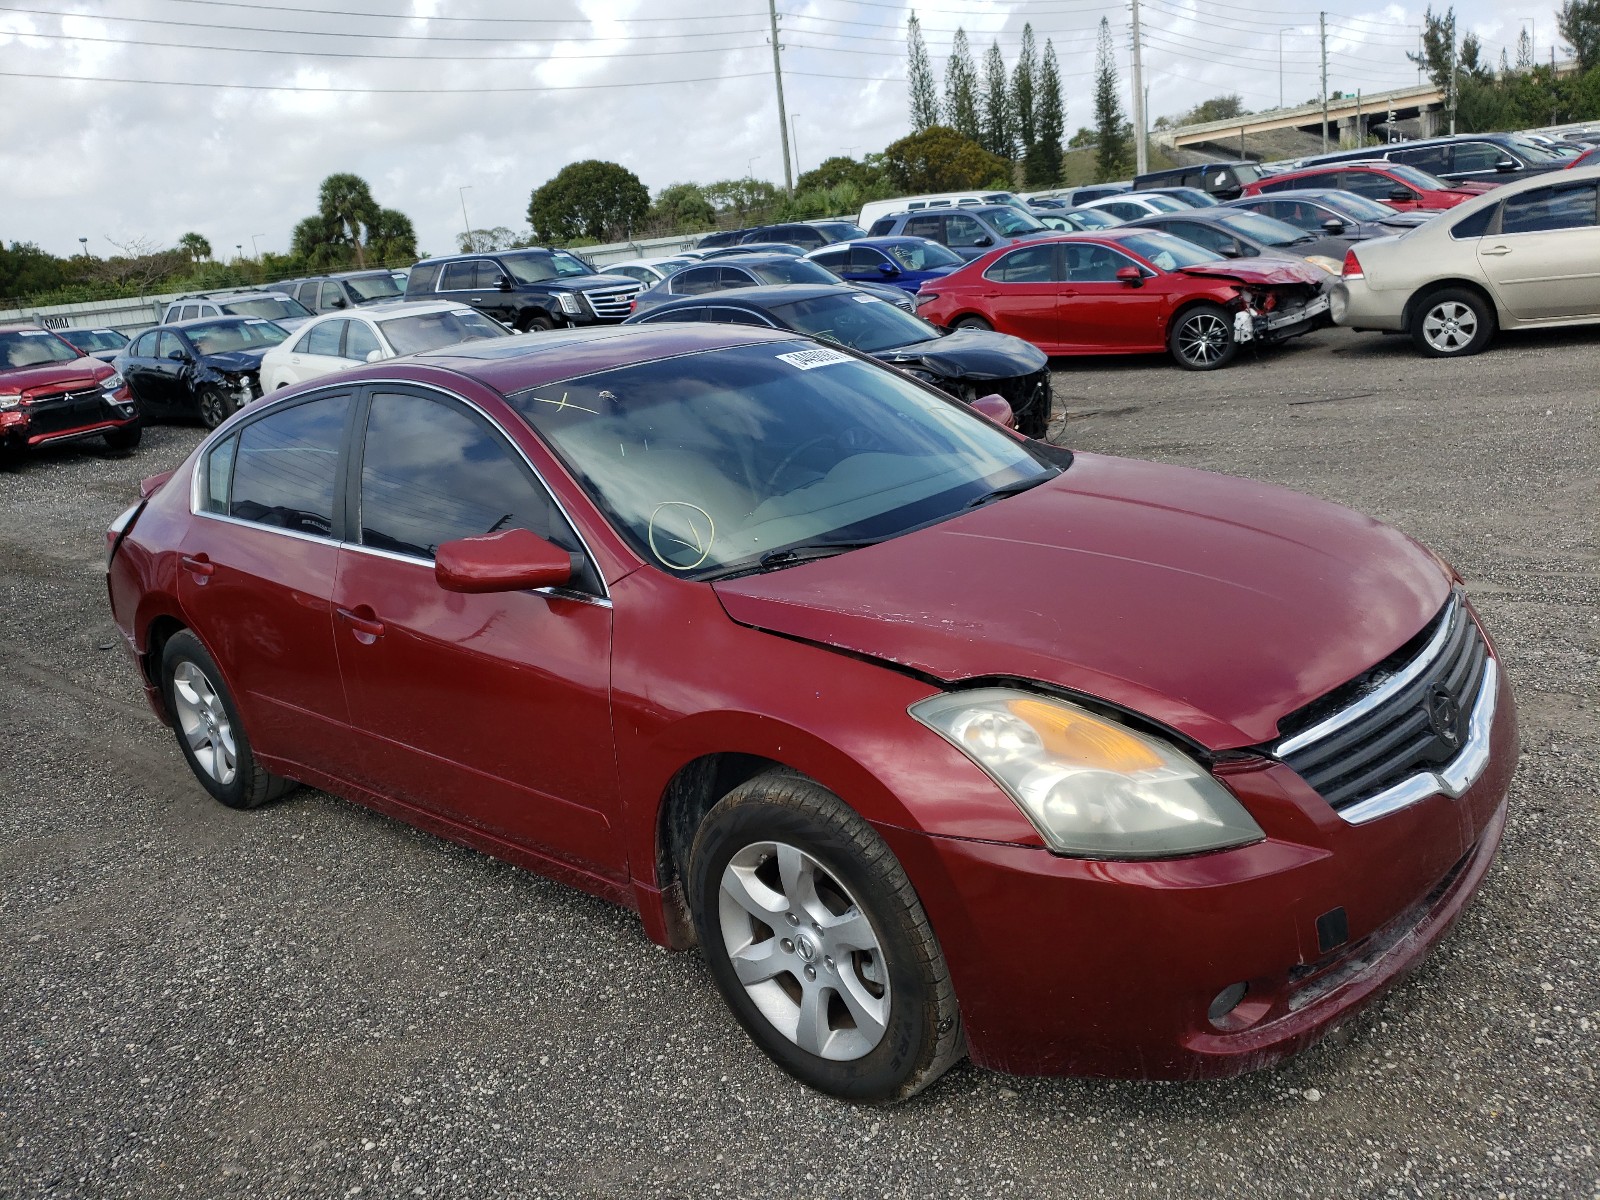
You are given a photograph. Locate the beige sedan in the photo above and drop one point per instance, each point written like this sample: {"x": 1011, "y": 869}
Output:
{"x": 1523, "y": 255}
{"x": 343, "y": 338}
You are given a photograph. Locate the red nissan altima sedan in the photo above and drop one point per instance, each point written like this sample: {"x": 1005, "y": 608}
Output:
{"x": 1130, "y": 291}
{"x": 936, "y": 740}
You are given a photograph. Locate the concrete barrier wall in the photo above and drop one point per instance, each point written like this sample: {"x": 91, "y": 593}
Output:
{"x": 131, "y": 314}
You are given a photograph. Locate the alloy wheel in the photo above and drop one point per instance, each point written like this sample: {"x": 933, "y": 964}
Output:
{"x": 1449, "y": 327}
{"x": 214, "y": 408}
{"x": 1204, "y": 339}
{"x": 204, "y": 723}
{"x": 804, "y": 951}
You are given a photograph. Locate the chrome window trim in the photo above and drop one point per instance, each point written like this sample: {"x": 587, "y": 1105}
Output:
{"x": 1455, "y": 777}
{"x": 205, "y": 448}
{"x": 1382, "y": 694}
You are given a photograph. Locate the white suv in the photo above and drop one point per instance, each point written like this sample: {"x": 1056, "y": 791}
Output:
{"x": 276, "y": 307}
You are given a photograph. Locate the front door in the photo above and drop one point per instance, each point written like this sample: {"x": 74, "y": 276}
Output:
{"x": 1100, "y": 314}
{"x": 1544, "y": 264}
{"x": 492, "y": 710}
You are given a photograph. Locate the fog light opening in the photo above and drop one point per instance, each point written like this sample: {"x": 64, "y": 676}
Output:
{"x": 1226, "y": 1001}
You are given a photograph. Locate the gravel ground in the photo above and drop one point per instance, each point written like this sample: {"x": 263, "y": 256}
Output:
{"x": 311, "y": 1000}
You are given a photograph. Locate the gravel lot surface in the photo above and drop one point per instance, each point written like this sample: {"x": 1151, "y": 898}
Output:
{"x": 311, "y": 1000}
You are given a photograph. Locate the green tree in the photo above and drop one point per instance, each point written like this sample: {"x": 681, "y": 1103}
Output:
{"x": 1579, "y": 23}
{"x": 940, "y": 160}
{"x": 1082, "y": 139}
{"x": 1218, "y": 108}
{"x": 1042, "y": 166}
{"x": 590, "y": 199}
{"x": 1113, "y": 134}
{"x": 195, "y": 246}
{"x": 348, "y": 212}
{"x": 919, "y": 77}
{"x": 1438, "y": 47}
{"x": 838, "y": 171}
{"x": 25, "y": 269}
{"x": 961, "y": 89}
{"x": 682, "y": 208}
{"x": 316, "y": 243}
{"x": 479, "y": 241}
{"x": 742, "y": 197}
{"x": 1024, "y": 94}
{"x": 391, "y": 238}
{"x": 998, "y": 132}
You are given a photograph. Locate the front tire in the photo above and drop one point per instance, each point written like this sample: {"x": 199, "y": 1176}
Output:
{"x": 1201, "y": 338}
{"x": 208, "y": 728}
{"x": 1452, "y": 324}
{"x": 819, "y": 944}
{"x": 215, "y": 405}
{"x": 125, "y": 438}
{"x": 538, "y": 323}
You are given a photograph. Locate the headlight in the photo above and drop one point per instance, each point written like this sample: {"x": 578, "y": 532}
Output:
{"x": 1331, "y": 265}
{"x": 10, "y": 400}
{"x": 1089, "y": 785}
{"x": 111, "y": 383}
{"x": 570, "y": 304}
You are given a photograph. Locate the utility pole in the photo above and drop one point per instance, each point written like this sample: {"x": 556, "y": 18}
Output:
{"x": 783, "y": 119}
{"x": 1280, "y": 68}
{"x": 1452, "y": 87}
{"x": 1141, "y": 152}
{"x": 1322, "y": 33}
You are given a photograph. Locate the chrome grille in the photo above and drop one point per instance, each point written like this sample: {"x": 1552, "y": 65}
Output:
{"x": 612, "y": 303}
{"x": 1408, "y": 729}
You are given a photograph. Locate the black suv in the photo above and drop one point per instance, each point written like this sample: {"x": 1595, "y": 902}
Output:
{"x": 1466, "y": 158}
{"x": 526, "y": 289}
{"x": 348, "y": 289}
{"x": 1224, "y": 180}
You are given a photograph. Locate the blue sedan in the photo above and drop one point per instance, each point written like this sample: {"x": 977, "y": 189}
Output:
{"x": 905, "y": 262}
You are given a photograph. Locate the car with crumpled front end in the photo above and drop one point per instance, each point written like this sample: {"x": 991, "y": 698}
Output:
{"x": 1131, "y": 291}
{"x": 207, "y": 368}
{"x": 935, "y": 741}
{"x": 52, "y": 392}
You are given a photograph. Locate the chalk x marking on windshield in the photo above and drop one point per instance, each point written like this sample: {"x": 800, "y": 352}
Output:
{"x": 565, "y": 403}
{"x": 804, "y": 360}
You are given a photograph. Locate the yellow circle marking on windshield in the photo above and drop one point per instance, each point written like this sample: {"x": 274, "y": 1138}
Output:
{"x": 696, "y": 543}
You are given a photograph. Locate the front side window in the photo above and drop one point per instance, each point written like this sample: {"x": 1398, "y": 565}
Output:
{"x": 286, "y": 465}
{"x": 324, "y": 339}
{"x": 1031, "y": 264}
{"x": 359, "y": 341}
{"x": 431, "y": 473}
{"x": 962, "y": 230}
{"x": 1570, "y": 206}
{"x": 694, "y": 281}
{"x": 170, "y": 345}
{"x": 796, "y": 270}
{"x": 144, "y": 346}
{"x": 1473, "y": 158}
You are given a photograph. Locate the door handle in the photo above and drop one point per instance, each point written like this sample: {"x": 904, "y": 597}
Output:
{"x": 363, "y": 623}
{"x": 199, "y": 566}
{"x": 1497, "y": 251}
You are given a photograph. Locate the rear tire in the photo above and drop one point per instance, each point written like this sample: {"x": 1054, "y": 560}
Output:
{"x": 1452, "y": 324}
{"x": 972, "y": 323}
{"x": 208, "y": 728}
{"x": 839, "y": 978}
{"x": 126, "y": 438}
{"x": 1201, "y": 339}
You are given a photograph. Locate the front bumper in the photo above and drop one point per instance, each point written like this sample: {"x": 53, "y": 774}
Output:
{"x": 1078, "y": 967}
{"x": 53, "y": 423}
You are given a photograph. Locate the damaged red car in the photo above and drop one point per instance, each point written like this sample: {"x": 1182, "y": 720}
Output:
{"x": 50, "y": 392}
{"x": 937, "y": 740}
{"x": 1133, "y": 291}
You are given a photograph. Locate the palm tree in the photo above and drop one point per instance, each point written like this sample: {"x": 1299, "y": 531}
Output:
{"x": 346, "y": 205}
{"x": 195, "y": 246}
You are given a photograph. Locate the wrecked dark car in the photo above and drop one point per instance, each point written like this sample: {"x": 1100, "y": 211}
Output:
{"x": 208, "y": 368}
{"x": 967, "y": 363}
{"x": 50, "y": 391}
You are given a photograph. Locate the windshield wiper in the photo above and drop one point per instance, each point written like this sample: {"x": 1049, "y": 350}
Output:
{"x": 1010, "y": 489}
{"x": 808, "y": 551}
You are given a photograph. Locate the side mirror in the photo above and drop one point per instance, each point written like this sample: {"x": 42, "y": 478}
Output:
{"x": 888, "y": 270}
{"x": 983, "y": 240}
{"x": 1231, "y": 252}
{"x": 1403, "y": 195}
{"x": 178, "y": 355}
{"x": 374, "y": 355}
{"x": 996, "y": 408}
{"x": 504, "y": 285}
{"x": 1131, "y": 276}
{"x": 341, "y": 303}
{"x": 510, "y": 561}
{"x": 1507, "y": 164}
{"x": 1333, "y": 226}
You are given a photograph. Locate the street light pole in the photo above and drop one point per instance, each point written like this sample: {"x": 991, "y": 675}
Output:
{"x": 794, "y": 140}
{"x": 255, "y": 245}
{"x": 466, "y": 225}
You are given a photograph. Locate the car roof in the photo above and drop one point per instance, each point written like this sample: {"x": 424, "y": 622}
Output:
{"x": 224, "y": 319}
{"x": 754, "y": 258}
{"x": 517, "y": 363}
{"x": 764, "y": 296}
{"x": 391, "y": 308}
{"x": 445, "y": 258}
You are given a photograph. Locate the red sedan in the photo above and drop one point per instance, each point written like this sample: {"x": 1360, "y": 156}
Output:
{"x": 1130, "y": 291}
{"x": 1398, "y": 185}
{"x": 938, "y": 740}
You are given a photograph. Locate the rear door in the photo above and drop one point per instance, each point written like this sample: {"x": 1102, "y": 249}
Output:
{"x": 492, "y": 710}
{"x": 1544, "y": 261}
{"x": 1022, "y": 294}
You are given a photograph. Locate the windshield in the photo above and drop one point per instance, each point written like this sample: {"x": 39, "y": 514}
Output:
{"x": 1417, "y": 177}
{"x": 31, "y": 347}
{"x": 922, "y": 256}
{"x": 1012, "y": 221}
{"x": 222, "y": 337}
{"x": 1535, "y": 153}
{"x": 1269, "y": 231}
{"x": 540, "y": 265}
{"x": 90, "y": 340}
{"x": 270, "y": 307}
{"x": 429, "y": 331}
{"x": 1089, "y": 218}
{"x": 797, "y": 271}
{"x": 1167, "y": 252}
{"x": 1359, "y": 207}
{"x": 374, "y": 287}
{"x": 855, "y": 319}
{"x": 843, "y": 231}
{"x": 707, "y": 462}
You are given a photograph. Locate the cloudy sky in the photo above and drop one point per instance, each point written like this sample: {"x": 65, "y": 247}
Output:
{"x": 142, "y": 119}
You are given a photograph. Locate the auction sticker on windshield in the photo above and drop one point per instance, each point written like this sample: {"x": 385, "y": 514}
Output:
{"x": 806, "y": 359}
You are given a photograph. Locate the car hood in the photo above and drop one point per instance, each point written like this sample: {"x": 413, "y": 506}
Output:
{"x": 55, "y": 376}
{"x": 1262, "y": 270}
{"x": 1210, "y": 604}
{"x": 970, "y": 353}
{"x": 1469, "y": 187}
{"x": 236, "y": 360}
{"x": 587, "y": 283}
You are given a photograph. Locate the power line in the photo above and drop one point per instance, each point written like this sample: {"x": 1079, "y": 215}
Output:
{"x": 384, "y": 91}
{"x": 340, "y": 12}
